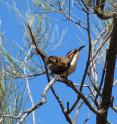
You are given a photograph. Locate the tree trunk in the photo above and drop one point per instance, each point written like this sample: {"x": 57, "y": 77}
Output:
{"x": 109, "y": 77}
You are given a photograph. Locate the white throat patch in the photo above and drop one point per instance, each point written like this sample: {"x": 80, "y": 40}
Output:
{"x": 73, "y": 64}
{"x": 75, "y": 58}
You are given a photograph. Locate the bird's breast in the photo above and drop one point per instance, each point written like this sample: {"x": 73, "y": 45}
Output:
{"x": 72, "y": 68}
{"x": 73, "y": 64}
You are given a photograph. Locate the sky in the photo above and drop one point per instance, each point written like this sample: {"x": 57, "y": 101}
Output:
{"x": 13, "y": 30}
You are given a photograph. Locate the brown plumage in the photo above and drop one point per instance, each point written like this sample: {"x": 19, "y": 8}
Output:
{"x": 58, "y": 65}
{"x": 64, "y": 66}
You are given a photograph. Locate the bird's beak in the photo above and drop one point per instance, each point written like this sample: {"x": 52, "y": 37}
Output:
{"x": 81, "y": 47}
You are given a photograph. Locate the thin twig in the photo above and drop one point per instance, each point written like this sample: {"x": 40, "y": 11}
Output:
{"x": 73, "y": 21}
{"x": 93, "y": 68}
{"x": 77, "y": 111}
{"x": 88, "y": 117}
{"x": 11, "y": 116}
{"x": 42, "y": 101}
{"x": 49, "y": 85}
{"x": 89, "y": 53}
{"x": 102, "y": 79}
{"x": 62, "y": 107}
{"x": 71, "y": 85}
{"x": 87, "y": 64}
{"x": 69, "y": 9}
{"x": 106, "y": 39}
{"x": 27, "y": 85}
{"x": 114, "y": 108}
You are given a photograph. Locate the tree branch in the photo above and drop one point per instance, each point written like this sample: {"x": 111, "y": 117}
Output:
{"x": 72, "y": 86}
{"x": 99, "y": 11}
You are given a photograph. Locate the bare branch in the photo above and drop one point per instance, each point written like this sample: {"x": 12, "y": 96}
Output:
{"x": 88, "y": 117}
{"x": 66, "y": 114}
{"x": 102, "y": 79}
{"x": 114, "y": 108}
{"x": 89, "y": 52}
{"x": 39, "y": 51}
{"x": 105, "y": 40}
{"x": 69, "y": 10}
{"x": 78, "y": 109}
{"x": 71, "y": 85}
{"x": 99, "y": 10}
{"x": 49, "y": 85}
{"x": 28, "y": 87}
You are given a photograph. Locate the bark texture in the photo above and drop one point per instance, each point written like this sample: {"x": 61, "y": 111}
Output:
{"x": 109, "y": 77}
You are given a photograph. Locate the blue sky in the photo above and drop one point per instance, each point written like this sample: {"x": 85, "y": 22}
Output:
{"x": 50, "y": 113}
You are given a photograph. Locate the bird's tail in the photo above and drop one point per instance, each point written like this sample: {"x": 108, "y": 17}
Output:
{"x": 38, "y": 50}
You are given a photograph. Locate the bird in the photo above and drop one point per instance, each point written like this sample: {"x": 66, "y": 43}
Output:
{"x": 58, "y": 65}
{"x": 64, "y": 66}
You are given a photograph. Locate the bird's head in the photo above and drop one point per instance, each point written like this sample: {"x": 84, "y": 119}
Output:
{"x": 75, "y": 51}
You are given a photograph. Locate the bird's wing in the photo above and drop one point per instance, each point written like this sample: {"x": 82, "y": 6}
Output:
{"x": 58, "y": 65}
